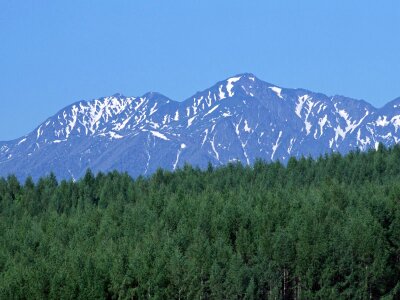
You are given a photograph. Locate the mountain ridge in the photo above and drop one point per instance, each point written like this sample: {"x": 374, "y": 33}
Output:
{"x": 241, "y": 118}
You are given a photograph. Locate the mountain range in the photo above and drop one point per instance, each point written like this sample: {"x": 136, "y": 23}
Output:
{"x": 241, "y": 118}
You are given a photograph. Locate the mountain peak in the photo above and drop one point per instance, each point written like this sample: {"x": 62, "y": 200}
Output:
{"x": 246, "y": 75}
{"x": 118, "y": 95}
{"x": 157, "y": 97}
{"x": 244, "y": 79}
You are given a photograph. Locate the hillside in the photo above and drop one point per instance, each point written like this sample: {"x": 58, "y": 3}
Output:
{"x": 317, "y": 229}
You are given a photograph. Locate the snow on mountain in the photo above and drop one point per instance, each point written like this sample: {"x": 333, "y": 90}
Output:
{"x": 241, "y": 118}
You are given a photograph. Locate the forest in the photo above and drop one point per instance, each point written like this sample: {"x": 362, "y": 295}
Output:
{"x": 324, "y": 228}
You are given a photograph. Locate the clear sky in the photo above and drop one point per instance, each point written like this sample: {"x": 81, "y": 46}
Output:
{"x": 53, "y": 53}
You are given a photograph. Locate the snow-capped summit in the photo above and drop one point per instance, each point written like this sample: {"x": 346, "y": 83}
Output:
{"x": 239, "y": 118}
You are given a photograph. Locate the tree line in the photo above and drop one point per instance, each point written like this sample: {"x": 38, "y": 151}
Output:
{"x": 325, "y": 228}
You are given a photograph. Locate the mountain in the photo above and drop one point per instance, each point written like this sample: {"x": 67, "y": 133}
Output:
{"x": 241, "y": 118}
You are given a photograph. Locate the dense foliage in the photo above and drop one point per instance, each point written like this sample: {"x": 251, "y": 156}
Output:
{"x": 314, "y": 229}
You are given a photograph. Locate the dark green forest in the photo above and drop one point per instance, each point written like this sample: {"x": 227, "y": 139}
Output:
{"x": 327, "y": 228}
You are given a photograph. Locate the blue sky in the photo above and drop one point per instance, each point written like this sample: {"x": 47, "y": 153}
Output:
{"x": 54, "y": 53}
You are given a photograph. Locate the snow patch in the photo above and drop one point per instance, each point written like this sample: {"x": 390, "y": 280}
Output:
{"x": 39, "y": 132}
{"x": 292, "y": 140}
{"x": 153, "y": 109}
{"x": 276, "y": 145}
{"x": 21, "y": 141}
{"x": 396, "y": 122}
{"x": 246, "y": 126}
{"x": 381, "y": 121}
{"x": 205, "y": 137}
{"x": 221, "y": 93}
{"x": 299, "y": 104}
{"x": 211, "y": 110}
{"x": 321, "y": 123}
{"x": 159, "y": 135}
{"x": 343, "y": 114}
{"x": 331, "y": 143}
{"x": 190, "y": 121}
{"x": 176, "y": 117}
{"x": 308, "y": 127}
{"x": 178, "y": 154}
{"x": 122, "y": 125}
{"x": 213, "y": 148}
{"x": 114, "y": 135}
{"x": 277, "y": 91}
{"x": 229, "y": 86}
{"x": 339, "y": 132}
